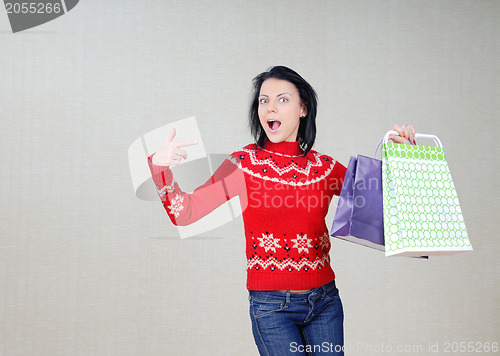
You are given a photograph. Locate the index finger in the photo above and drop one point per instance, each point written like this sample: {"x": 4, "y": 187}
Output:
{"x": 398, "y": 129}
{"x": 186, "y": 143}
{"x": 412, "y": 130}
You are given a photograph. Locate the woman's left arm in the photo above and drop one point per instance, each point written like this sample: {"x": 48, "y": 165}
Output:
{"x": 406, "y": 134}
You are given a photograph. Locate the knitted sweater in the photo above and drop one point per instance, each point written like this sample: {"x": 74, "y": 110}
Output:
{"x": 284, "y": 197}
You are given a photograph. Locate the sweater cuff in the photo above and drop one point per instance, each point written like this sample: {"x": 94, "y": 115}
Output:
{"x": 162, "y": 175}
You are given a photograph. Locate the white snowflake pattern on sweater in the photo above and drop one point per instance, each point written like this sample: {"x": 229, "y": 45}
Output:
{"x": 302, "y": 243}
{"x": 168, "y": 189}
{"x": 269, "y": 242}
{"x": 176, "y": 205}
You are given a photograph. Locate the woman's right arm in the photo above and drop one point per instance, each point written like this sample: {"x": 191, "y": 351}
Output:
{"x": 182, "y": 208}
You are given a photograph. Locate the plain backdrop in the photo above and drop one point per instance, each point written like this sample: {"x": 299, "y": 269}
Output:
{"x": 86, "y": 268}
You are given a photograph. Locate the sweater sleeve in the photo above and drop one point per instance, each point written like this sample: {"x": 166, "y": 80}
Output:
{"x": 336, "y": 178}
{"x": 183, "y": 208}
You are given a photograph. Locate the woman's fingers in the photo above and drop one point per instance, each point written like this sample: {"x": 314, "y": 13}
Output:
{"x": 398, "y": 139}
{"x": 409, "y": 132}
{"x": 185, "y": 143}
{"x": 180, "y": 153}
{"x": 412, "y": 129}
{"x": 170, "y": 138}
{"x": 406, "y": 134}
{"x": 174, "y": 162}
{"x": 170, "y": 153}
{"x": 398, "y": 129}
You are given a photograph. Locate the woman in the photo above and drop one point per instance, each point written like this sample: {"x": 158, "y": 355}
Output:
{"x": 285, "y": 189}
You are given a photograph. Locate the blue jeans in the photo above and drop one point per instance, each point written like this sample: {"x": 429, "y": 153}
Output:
{"x": 310, "y": 323}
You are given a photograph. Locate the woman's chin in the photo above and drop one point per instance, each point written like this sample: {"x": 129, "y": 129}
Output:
{"x": 275, "y": 138}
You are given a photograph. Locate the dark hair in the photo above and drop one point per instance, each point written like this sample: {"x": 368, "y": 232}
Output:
{"x": 307, "y": 127}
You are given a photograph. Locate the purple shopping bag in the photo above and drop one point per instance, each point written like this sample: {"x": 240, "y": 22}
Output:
{"x": 359, "y": 215}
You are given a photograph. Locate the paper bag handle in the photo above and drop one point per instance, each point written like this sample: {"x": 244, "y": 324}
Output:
{"x": 417, "y": 135}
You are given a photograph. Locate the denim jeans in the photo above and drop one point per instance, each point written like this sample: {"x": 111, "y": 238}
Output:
{"x": 285, "y": 323}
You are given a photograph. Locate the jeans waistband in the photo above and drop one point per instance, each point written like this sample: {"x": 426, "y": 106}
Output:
{"x": 278, "y": 296}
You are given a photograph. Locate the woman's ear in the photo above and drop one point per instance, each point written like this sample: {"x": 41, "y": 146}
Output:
{"x": 303, "y": 111}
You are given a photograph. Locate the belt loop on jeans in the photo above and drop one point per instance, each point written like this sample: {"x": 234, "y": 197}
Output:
{"x": 325, "y": 288}
{"x": 287, "y": 297}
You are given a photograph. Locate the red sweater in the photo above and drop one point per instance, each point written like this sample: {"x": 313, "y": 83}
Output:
{"x": 284, "y": 197}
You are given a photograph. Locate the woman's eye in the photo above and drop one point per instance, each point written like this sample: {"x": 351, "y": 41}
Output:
{"x": 283, "y": 100}
{"x": 263, "y": 101}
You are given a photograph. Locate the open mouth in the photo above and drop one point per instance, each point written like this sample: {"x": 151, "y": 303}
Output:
{"x": 274, "y": 125}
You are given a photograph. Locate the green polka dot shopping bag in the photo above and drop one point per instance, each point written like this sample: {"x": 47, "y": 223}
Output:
{"x": 422, "y": 215}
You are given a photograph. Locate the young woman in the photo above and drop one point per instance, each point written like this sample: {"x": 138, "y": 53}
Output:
{"x": 285, "y": 189}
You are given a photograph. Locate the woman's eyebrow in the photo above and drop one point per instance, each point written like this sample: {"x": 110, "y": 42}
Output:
{"x": 276, "y": 95}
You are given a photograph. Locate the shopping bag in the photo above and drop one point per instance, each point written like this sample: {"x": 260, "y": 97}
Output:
{"x": 359, "y": 217}
{"x": 422, "y": 214}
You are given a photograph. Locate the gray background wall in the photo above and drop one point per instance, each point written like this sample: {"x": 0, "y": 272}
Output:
{"x": 86, "y": 268}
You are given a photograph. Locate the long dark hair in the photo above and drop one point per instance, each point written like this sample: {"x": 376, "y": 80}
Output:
{"x": 307, "y": 127}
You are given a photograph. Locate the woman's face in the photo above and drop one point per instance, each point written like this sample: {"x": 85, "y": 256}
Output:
{"x": 280, "y": 110}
